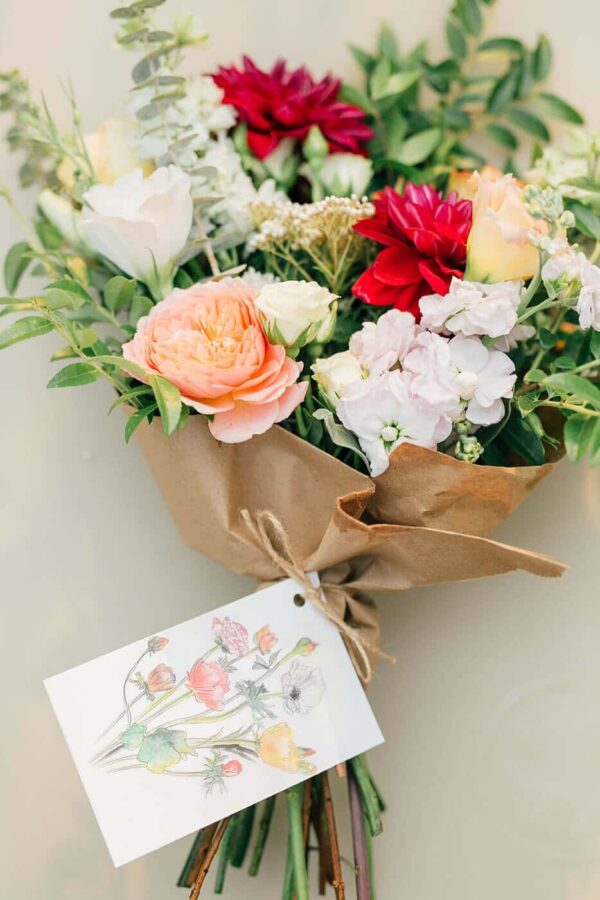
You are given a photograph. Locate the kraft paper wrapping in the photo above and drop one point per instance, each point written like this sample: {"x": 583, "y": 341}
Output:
{"x": 422, "y": 522}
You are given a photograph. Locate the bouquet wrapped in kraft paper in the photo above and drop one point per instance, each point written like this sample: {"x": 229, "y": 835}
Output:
{"x": 423, "y": 521}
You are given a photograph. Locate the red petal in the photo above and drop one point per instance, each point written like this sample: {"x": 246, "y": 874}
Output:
{"x": 262, "y": 144}
{"x": 398, "y": 265}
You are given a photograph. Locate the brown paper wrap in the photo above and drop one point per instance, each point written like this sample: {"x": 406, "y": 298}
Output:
{"x": 421, "y": 522}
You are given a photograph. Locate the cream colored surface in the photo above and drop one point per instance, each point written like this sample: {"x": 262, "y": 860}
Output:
{"x": 492, "y": 713}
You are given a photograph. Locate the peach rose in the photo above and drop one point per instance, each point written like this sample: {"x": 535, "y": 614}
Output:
{"x": 498, "y": 248}
{"x": 208, "y": 340}
{"x": 461, "y": 181}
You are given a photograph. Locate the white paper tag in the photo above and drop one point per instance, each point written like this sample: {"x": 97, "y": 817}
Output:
{"x": 183, "y": 728}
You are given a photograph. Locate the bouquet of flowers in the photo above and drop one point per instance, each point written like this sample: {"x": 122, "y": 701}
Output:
{"x": 349, "y": 293}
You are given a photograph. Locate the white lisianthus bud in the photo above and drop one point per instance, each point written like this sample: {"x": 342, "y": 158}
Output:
{"x": 295, "y": 313}
{"x": 334, "y": 373}
{"x": 345, "y": 174}
{"x": 141, "y": 224}
{"x": 113, "y": 151}
{"x": 61, "y": 213}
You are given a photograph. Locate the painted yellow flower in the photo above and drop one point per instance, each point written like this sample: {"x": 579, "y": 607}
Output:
{"x": 276, "y": 747}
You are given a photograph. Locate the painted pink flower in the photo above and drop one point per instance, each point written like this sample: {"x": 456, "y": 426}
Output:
{"x": 231, "y": 768}
{"x": 208, "y": 340}
{"x": 232, "y": 636}
{"x": 265, "y": 639}
{"x": 161, "y": 678}
{"x": 209, "y": 683}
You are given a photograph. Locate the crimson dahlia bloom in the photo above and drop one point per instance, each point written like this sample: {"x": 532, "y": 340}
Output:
{"x": 285, "y": 103}
{"x": 425, "y": 238}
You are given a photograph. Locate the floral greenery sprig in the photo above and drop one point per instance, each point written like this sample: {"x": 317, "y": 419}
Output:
{"x": 485, "y": 87}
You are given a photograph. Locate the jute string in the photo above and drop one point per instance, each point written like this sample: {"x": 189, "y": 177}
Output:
{"x": 270, "y": 534}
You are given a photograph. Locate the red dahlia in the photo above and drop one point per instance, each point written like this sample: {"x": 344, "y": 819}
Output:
{"x": 285, "y": 103}
{"x": 426, "y": 245}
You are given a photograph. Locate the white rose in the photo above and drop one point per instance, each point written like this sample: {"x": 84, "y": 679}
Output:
{"x": 588, "y": 304}
{"x": 113, "y": 151}
{"x": 61, "y": 213}
{"x": 335, "y": 373}
{"x": 344, "y": 174}
{"x": 141, "y": 225}
{"x": 297, "y": 312}
{"x": 380, "y": 345}
{"x": 471, "y": 308}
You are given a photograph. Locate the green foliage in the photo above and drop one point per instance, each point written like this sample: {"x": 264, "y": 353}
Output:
{"x": 23, "y": 329}
{"x": 485, "y": 85}
{"x": 15, "y": 265}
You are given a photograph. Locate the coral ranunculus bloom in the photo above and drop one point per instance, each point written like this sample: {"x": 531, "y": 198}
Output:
{"x": 285, "y": 103}
{"x": 209, "y": 682}
{"x": 425, "y": 239}
{"x": 208, "y": 340}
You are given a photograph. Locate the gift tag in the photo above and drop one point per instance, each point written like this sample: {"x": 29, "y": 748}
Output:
{"x": 185, "y": 727}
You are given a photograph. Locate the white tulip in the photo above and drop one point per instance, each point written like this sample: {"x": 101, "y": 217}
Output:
{"x": 296, "y": 313}
{"x": 141, "y": 225}
{"x": 344, "y": 174}
{"x": 334, "y": 373}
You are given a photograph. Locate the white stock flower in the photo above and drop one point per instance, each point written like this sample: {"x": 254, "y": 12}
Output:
{"x": 562, "y": 265}
{"x": 334, "y": 373}
{"x": 382, "y": 413}
{"x": 484, "y": 377}
{"x": 303, "y": 687}
{"x": 297, "y": 312}
{"x": 511, "y": 340}
{"x": 433, "y": 375}
{"x": 140, "y": 224}
{"x": 380, "y": 345}
{"x": 554, "y": 168}
{"x": 345, "y": 174}
{"x": 588, "y": 304}
{"x": 471, "y": 308}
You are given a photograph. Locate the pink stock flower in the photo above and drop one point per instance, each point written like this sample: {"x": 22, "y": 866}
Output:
{"x": 232, "y": 636}
{"x": 265, "y": 639}
{"x": 208, "y": 341}
{"x": 161, "y": 678}
{"x": 231, "y": 768}
{"x": 209, "y": 683}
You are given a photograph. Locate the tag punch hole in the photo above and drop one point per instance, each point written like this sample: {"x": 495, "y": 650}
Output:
{"x": 299, "y": 600}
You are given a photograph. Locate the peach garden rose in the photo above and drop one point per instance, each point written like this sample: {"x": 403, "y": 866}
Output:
{"x": 208, "y": 340}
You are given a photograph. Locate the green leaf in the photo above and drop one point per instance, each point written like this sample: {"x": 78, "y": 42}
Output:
{"x": 124, "y": 365}
{"x": 577, "y": 435}
{"x": 534, "y": 375}
{"x": 502, "y": 45}
{"x": 504, "y": 90}
{"x": 396, "y": 84}
{"x": 350, "y": 94}
{"x": 586, "y": 220}
{"x": 542, "y": 59}
{"x": 22, "y": 329}
{"x": 547, "y": 338}
{"x": 529, "y": 122}
{"x": 15, "y": 264}
{"x": 470, "y": 15}
{"x": 564, "y": 363}
{"x": 74, "y": 375}
{"x": 396, "y": 127}
{"x": 502, "y": 136}
{"x": 386, "y": 42}
{"x": 168, "y": 399}
{"x": 456, "y": 40}
{"x": 560, "y": 109}
{"x": 140, "y": 306}
{"x": 338, "y": 434}
{"x": 119, "y": 292}
{"x": 595, "y": 444}
{"x": 365, "y": 60}
{"x": 419, "y": 146}
{"x": 143, "y": 389}
{"x": 567, "y": 384}
{"x": 381, "y": 73}
{"x": 520, "y": 437}
{"x": 136, "y": 419}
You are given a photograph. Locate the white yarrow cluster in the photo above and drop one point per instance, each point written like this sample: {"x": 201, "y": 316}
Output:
{"x": 400, "y": 382}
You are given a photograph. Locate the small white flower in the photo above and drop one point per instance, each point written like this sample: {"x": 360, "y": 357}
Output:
{"x": 588, "y": 304}
{"x": 511, "y": 340}
{"x": 141, "y": 224}
{"x": 303, "y": 688}
{"x": 334, "y": 373}
{"x": 563, "y": 264}
{"x": 382, "y": 344}
{"x": 257, "y": 280}
{"x": 471, "y": 308}
{"x": 433, "y": 376}
{"x": 382, "y": 413}
{"x": 484, "y": 378}
{"x": 297, "y": 312}
{"x": 346, "y": 174}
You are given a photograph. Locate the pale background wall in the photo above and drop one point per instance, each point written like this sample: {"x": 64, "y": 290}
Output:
{"x": 492, "y": 714}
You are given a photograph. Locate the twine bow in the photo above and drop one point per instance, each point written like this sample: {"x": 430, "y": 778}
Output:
{"x": 273, "y": 538}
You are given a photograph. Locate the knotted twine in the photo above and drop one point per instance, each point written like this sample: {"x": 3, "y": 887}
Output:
{"x": 270, "y": 534}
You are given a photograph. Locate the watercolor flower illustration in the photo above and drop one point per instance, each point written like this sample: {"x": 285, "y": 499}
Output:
{"x": 303, "y": 688}
{"x": 219, "y": 731}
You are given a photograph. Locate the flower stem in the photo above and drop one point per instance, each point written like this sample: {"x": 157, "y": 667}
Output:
{"x": 369, "y": 798}
{"x": 336, "y": 862}
{"x": 225, "y": 854}
{"x": 294, "y": 804}
{"x": 263, "y": 832}
{"x": 208, "y": 858}
{"x": 243, "y": 833}
{"x": 359, "y": 840}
